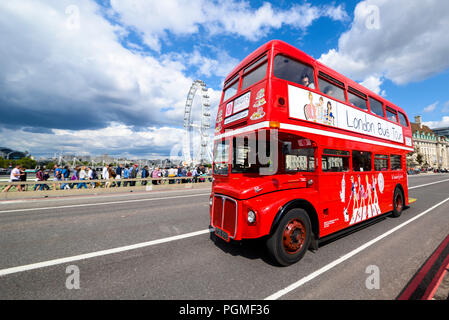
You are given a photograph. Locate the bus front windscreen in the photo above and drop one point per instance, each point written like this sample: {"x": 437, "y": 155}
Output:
{"x": 255, "y": 154}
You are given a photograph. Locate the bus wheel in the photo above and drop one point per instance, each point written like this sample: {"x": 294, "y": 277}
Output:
{"x": 291, "y": 239}
{"x": 398, "y": 202}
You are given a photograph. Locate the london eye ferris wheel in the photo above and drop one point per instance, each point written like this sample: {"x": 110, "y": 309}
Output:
{"x": 196, "y": 145}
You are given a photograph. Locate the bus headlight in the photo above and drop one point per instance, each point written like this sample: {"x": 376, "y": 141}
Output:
{"x": 251, "y": 217}
{"x": 210, "y": 202}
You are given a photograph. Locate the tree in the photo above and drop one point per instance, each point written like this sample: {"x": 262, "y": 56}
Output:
{"x": 50, "y": 165}
{"x": 3, "y": 163}
{"x": 419, "y": 159}
{"x": 27, "y": 163}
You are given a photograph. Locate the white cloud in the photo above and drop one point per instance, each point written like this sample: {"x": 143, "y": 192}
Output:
{"x": 446, "y": 107}
{"x": 431, "y": 107}
{"x": 116, "y": 139}
{"x": 444, "y": 122}
{"x": 154, "y": 18}
{"x": 373, "y": 83}
{"x": 61, "y": 73}
{"x": 337, "y": 13}
{"x": 47, "y": 67}
{"x": 219, "y": 66}
{"x": 400, "y": 40}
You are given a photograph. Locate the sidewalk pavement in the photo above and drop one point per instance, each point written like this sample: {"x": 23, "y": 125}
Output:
{"x": 95, "y": 191}
{"x": 431, "y": 282}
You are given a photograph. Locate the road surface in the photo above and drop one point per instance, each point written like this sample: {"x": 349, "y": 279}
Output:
{"x": 157, "y": 246}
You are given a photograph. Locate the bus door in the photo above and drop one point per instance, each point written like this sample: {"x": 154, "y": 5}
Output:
{"x": 335, "y": 186}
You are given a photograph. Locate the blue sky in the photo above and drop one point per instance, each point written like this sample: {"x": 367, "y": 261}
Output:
{"x": 111, "y": 76}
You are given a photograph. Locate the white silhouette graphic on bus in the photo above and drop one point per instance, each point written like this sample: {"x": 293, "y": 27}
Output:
{"x": 363, "y": 197}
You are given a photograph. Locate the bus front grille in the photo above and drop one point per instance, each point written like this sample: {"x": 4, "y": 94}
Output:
{"x": 225, "y": 214}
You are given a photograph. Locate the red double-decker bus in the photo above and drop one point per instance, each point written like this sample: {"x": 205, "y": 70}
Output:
{"x": 302, "y": 153}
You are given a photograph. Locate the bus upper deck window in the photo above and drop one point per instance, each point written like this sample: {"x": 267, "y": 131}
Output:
{"x": 331, "y": 89}
{"x": 391, "y": 115}
{"x": 357, "y": 98}
{"x": 376, "y": 107}
{"x": 402, "y": 119}
{"x": 230, "y": 91}
{"x": 253, "y": 75}
{"x": 294, "y": 71}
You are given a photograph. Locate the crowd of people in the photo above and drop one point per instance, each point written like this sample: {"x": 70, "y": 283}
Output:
{"x": 121, "y": 175}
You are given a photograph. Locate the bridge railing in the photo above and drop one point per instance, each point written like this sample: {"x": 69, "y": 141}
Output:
{"x": 66, "y": 187}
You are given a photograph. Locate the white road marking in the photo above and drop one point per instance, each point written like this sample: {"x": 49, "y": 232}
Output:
{"x": 331, "y": 265}
{"x": 427, "y": 184}
{"x": 426, "y": 175}
{"x": 54, "y": 262}
{"x": 14, "y": 201}
{"x": 101, "y": 203}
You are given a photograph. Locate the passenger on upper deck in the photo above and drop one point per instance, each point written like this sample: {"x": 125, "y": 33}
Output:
{"x": 305, "y": 81}
{"x": 329, "y": 91}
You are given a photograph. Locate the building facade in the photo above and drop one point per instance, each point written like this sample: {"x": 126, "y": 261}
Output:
{"x": 442, "y": 131}
{"x": 431, "y": 149}
{"x": 10, "y": 154}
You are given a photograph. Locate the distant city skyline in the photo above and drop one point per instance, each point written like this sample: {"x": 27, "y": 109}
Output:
{"x": 112, "y": 76}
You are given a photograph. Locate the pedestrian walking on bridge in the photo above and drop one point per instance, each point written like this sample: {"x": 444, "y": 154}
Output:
{"x": 82, "y": 176}
{"x": 14, "y": 177}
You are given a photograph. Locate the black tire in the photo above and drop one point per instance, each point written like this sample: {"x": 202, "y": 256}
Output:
{"x": 398, "y": 202}
{"x": 286, "y": 246}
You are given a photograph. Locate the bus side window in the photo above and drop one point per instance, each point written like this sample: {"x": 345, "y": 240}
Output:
{"x": 357, "y": 98}
{"x": 299, "y": 154}
{"x": 300, "y": 160}
{"x": 391, "y": 114}
{"x": 361, "y": 161}
{"x": 230, "y": 91}
{"x": 294, "y": 71}
{"x": 331, "y": 89}
{"x": 402, "y": 119}
{"x": 396, "y": 163}
{"x": 335, "y": 161}
{"x": 376, "y": 107}
{"x": 381, "y": 162}
{"x": 254, "y": 76}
